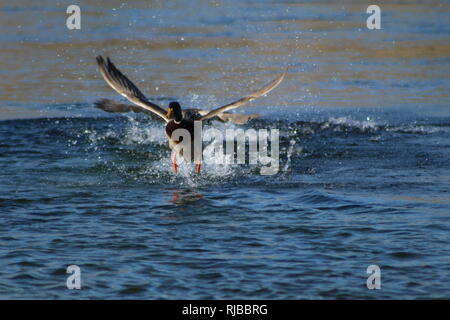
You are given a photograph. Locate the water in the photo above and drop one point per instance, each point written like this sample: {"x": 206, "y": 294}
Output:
{"x": 364, "y": 152}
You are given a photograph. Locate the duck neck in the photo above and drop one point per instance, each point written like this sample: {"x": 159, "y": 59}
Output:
{"x": 178, "y": 116}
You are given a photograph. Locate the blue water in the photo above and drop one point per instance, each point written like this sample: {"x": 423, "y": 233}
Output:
{"x": 99, "y": 193}
{"x": 364, "y": 175}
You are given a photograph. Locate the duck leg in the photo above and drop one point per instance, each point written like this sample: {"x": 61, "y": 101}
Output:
{"x": 199, "y": 164}
{"x": 174, "y": 161}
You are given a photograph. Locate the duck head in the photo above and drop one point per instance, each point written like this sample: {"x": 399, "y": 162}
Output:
{"x": 174, "y": 112}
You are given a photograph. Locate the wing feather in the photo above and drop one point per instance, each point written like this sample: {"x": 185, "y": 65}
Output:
{"x": 236, "y": 104}
{"x": 120, "y": 83}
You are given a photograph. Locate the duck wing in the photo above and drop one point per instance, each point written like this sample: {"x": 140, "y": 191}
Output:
{"x": 119, "y": 82}
{"x": 236, "y": 118}
{"x": 236, "y": 104}
{"x": 192, "y": 114}
{"x": 118, "y": 107}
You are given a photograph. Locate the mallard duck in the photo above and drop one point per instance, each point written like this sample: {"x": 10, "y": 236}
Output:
{"x": 175, "y": 117}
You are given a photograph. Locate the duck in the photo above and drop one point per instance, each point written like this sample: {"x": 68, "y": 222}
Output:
{"x": 175, "y": 117}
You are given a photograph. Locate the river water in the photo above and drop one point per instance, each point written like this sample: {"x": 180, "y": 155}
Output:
{"x": 363, "y": 180}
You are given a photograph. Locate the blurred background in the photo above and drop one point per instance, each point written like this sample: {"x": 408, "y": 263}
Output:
{"x": 208, "y": 52}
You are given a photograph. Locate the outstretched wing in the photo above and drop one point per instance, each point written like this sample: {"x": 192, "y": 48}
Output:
{"x": 245, "y": 99}
{"x": 119, "y": 82}
{"x": 194, "y": 114}
{"x": 118, "y": 107}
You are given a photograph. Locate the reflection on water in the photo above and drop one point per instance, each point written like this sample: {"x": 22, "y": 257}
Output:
{"x": 185, "y": 196}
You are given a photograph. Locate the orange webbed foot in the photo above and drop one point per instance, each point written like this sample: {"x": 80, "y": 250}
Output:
{"x": 174, "y": 162}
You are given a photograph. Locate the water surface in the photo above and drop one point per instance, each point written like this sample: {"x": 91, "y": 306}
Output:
{"x": 364, "y": 126}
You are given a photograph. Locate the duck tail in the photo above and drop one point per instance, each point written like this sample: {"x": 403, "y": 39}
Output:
{"x": 113, "y": 106}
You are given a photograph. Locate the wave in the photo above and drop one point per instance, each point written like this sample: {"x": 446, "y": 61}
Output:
{"x": 134, "y": 148}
